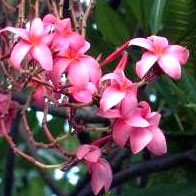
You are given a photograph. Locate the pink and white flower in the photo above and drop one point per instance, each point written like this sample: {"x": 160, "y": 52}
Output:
{"x": 35, "y": 42}
{"x": 83, "y": 72}
{"x": 140, "y": 127}
{"x": 168, "y": 57}
{"x": 97, "y": 166}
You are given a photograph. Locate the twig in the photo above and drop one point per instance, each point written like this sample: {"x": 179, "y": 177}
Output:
{"x": 8, "y": 6}
{"x": 85, "y": 17}
{"x": 28, "y": 130}
{"x": 22, "y": 154}
{"x": 37, "y": 4}
{"x": 45, "y": 175}
{"x": 50, "y": 136}
{"x": 73, "y": 16}
{"x": 21, "y": 8}
{"x": 54, "y": 7}
{"x": 61, "y": 5}
{"x": 88, "y": 117}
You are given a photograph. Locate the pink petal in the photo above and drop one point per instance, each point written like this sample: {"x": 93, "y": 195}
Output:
{"x": 122, "y": 63}
{"x": 170, "y": 66}
{"x": 111, "y": 97}
{"x": 18, "y": 53}
{"x": 43, "y": 55}
{"x": 145, "y": 108}
{"x": 60, "y": 66}
{"x": 159, "y": 42}
{"x": 147, "y": 61}
{"x": 22, "y": 33}
{"x": 63, "y": 26}
{"x": 84, "y": 96}
{"x": 136, "y": 120}
{"x": 90, "y": 153}
{"x": 73, "y": 40}
{"x": 93, "y": 68}
{"x": 50, "y": 19}
{"x": 37, "y": 28}
{"x": 121, "y": 132}
{"x": 4, "y": 97}
{"x": 158, "y": 143}
{"x": 59, "y": 43}
{"x": 77, "y": 42}
{"x": 179, "y": 52}
{"x": 47, "y": 39}
{"x": 129, "y": 103}
{"x": 82, "y": 151}
{"x": 108, "y": 174}
{"x": 98, "y": 178}
{"x": 94, "y": 155}
{"x": 139, "y": 138}
{"x": 154, "y": 118}
{"x": 39, "y": 95}
{"x": 78, "y": 74}
{"x": 84, "y": 48}
{"x": 101, "y": 176}
{"x": 112, "y": 76}
{"x": 142, "y": 42}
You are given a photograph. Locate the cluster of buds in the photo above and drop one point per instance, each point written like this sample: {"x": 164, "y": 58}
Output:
{"x": 53, "y": 58}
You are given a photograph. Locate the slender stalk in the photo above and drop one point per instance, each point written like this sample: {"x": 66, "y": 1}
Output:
{"x": 22, "y": 154}
{"x": 85, "y": 17}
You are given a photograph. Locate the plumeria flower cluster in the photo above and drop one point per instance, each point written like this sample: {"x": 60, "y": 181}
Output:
{"x": 97, "y": 166}
{"x": 57, "y": 50}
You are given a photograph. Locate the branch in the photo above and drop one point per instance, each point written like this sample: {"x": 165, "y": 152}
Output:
{"x": 45, "y": 175}
{"x": 50, "y": 136}
{"x": 61, "y": 5}
{"x": 10, "y": 158}
{"x": 21, "y": 8}
{"x": 147, "y": 167}
{"x": 54, "y": 7}
{"x": 87, "y": 117}
{"x": 17, "y": 151}
{"x": 85, "y": 17}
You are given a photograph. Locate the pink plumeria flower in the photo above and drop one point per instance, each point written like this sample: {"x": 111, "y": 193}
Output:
{"x": 39, "y": 95}
{"x": 12, "y": 110}
{"x": 83, "y": 72}
{"x": 101, "y": 175}
{"x": 64, "y": 35}
{"x": 97, "y": 166}
{"x": 168, "y": 57}
{"x": 90, "y": 153}
{"x": 34, "y": 42}
{"x": 141, "y": 132}
{"x": 119, "y": 87}
{"x": 83, "y": 95}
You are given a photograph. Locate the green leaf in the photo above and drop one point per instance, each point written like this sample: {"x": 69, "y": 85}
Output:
{"x": 111, "y": 24}
{"x": 156, "y": 16}
{"x": 141, "y": 9}
{"x": 179, "y": 21}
